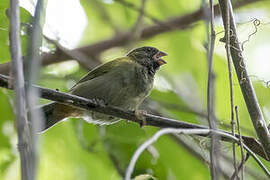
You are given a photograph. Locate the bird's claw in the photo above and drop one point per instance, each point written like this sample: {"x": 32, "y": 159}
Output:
{"x": 140, "y": 114}
{"x": 99, "y": 102}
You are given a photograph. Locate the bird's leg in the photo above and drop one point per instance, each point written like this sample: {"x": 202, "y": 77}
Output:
{"x": 140, "y": 114}
{"x": 99, "y": 102}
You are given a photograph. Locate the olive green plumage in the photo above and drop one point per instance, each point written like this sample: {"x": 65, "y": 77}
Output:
{"x": 124, "y": 82}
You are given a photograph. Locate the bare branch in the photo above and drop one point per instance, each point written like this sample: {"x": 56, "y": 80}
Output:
{"x": 23, "y": 131}
{"x": 83, "y": 60}
{"x": 244, "y": 81}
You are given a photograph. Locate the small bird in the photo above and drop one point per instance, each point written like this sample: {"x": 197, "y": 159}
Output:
{"x": 124, "y": 82}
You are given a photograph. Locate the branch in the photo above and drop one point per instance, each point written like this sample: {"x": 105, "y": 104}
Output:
{"x": 24, "y": 144}
{"x": 215, "y": 150}
{"x": 32, "y": 72}
{"x": 215, "y": 143}
{"x": 243, "y": 159}
{"x": 187, "y": 132}
{"x": 172, "y": 24}
{"x": 151, "y": 120}
{"x": 244, "y": 81}
{"x": 228, "y": 56}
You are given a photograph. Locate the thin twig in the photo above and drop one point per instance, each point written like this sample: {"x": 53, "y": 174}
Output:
{"x": 241, "y": 144}
{"x": 244, "y": 80}
{"x": 228, "y": 55}
{"x": 215, "y": 145}
{"x": 24, "y": 145}
{"x": 241, "y": 165}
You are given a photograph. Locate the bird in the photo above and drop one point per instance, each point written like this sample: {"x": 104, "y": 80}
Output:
{"x": 124, "y": 83}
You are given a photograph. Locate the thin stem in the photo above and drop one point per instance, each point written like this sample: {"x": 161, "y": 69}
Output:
{"x": 228, "y": 55}
{"x": 215, "y": 145}
{"x": 241, "y": 143}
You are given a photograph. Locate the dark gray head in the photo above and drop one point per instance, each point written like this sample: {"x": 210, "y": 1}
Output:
{"x": 149, "y": 57}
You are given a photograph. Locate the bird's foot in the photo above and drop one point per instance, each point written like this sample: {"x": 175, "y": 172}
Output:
{"x": 140, "y": 114}
{"x": 99, "y": 102}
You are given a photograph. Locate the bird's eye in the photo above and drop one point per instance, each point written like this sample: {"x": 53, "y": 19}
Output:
{"x": 148, "y": 50}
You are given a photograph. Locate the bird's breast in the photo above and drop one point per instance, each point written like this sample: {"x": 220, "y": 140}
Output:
{"x": 131, "y": 87}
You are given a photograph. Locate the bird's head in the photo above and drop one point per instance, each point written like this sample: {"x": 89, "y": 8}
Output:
{"x": 149, "y": 57}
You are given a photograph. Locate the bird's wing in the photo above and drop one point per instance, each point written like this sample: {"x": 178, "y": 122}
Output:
{"x": 101, "y": 70}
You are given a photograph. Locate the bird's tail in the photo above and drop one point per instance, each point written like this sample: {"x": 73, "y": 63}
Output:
{"x": 54, "y": 113}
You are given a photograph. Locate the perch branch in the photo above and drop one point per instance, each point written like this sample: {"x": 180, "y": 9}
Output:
{"x": 151, "y": 120}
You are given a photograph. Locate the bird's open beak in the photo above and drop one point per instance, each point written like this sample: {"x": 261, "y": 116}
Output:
{"x": 158, "y": 56}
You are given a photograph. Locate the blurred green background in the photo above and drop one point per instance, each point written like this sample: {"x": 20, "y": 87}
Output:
{"x": 77, "y": 150}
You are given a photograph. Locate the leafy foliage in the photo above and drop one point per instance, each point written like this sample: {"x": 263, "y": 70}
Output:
{"x": 75, "y": 149}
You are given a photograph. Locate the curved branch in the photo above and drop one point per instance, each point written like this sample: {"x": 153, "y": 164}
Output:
{"x": 161, "y": 132}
